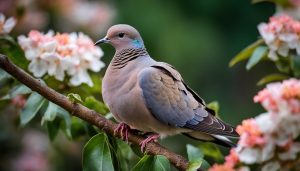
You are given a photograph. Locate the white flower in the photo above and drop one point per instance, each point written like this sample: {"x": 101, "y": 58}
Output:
{"x": 249, "y": 155}
{"x": 268, "y": 151}
{"x": 271, "y": 166}
{"x": 38, "y": 67}
{"x": 265, "y": 122}
{"x": 292, "y": 152}
{"x": 6, "y": 26}
{"x": 60, "y": 54}
{"x": 281, "y": 35}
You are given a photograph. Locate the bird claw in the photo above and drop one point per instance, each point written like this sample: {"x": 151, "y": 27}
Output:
{"x": 152, "y": 137}
{"x": 123, "y": 129}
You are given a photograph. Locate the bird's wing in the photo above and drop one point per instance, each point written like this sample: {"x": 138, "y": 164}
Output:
{"x": 175, "y": 104}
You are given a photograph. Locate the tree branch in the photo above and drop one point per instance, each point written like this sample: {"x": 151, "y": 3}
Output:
{"x": 86, "y": 114}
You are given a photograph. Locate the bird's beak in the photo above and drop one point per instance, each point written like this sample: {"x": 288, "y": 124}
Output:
{"x": 104, "y": 40}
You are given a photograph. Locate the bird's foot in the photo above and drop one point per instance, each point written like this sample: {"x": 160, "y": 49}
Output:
{"x": 152, "y": 137}
{"x": 123, "y": 129}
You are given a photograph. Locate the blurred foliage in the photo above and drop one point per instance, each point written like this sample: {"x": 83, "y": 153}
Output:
{"x": 198, "y": 37}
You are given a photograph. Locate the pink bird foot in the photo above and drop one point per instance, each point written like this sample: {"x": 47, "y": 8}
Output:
{"x": 123, "y": 129}
{"x": 152, "y": 137}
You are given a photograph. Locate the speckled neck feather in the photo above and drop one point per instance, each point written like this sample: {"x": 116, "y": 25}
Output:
{"x": 123, "y": 57}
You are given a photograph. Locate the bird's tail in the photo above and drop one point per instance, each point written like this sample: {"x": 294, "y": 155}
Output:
{"x": 217, "y": 139}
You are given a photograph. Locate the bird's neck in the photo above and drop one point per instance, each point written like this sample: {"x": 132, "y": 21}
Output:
{"x": 124, "y": 56}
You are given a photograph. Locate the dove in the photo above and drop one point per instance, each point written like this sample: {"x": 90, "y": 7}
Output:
{"x": 152, "y": 97}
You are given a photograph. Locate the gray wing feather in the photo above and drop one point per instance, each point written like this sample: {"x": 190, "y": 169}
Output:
{"x": 175, "y": 104}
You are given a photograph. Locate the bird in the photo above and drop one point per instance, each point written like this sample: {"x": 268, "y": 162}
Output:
{"x": 150, "y": 96}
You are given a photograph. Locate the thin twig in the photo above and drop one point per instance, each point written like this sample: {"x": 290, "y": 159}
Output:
{"x": 86, "y": 114}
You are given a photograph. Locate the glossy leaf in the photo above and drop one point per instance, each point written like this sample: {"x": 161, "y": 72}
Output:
{"x": 161, "y": 163}
{"x": 245, "y": 53}
{"x": 137, "y": 150}
{"x": 32, "y": 106}
{"x": 9, "y": 47}
{"x": 258, "y": 54}
{"x": 152, "y": 163}
{"x": 195, "y": 157}
{"x": 211, "y": 150}
{"x": 121, "y": 153}
{"x": 145, "y": 164}
{"x": 97, "y": 154}
{"x": 50, "y": 113}
{"x": 271, "y": 78}
{"x": 96, "y": 105}
{"x": 295, "y": 65}
{"x": 74, "y": 98}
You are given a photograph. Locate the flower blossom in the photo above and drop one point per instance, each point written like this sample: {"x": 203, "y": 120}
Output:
{"x": 250, "y": 134}
{"x": 280, "y": 96}
{"x": 60, "y": 54}
{"x": 281, "y": 34}
{"x": 6, "y": 25}
{"x": 271, "y": 138}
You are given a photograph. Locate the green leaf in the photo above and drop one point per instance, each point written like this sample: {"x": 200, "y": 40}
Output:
{"x": 205, "y": 165}
{"x": 125, "y": 154}
{"x": 214, "y": 105}
{"x": 10, "y": 48}
{"x": 161, "y": 163}
{"x": 194, "y": 153}
{"x": 78, "y": 128}
{"x": 195, "y": 157}
{"x": 3, "y": 75}
{"x": 32, "y": 106}
{"x": 17, "y": 90}
{"x": 66, "y": 127}
{"x": 245, "y": 53}
{"x": 295, "y": 65}
{"x": 145, "y": 164}
{"x": 53, "y": 128}
{"x": 50, "y": 113}
{"x": 97, "y": 154}
{"x": 211, "y": 150}
{"x": 271, "y": 78}
{"x": 137, "y": 150}
{"x": 258, "y": 54}
{"x": 96, "y": 105}
{"x": 74, "y": 98}
{"x": 283, "y": 64}
{"x": 152, "y": 163}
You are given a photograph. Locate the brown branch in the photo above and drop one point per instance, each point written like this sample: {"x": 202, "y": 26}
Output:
{"x": 86, "y": 114}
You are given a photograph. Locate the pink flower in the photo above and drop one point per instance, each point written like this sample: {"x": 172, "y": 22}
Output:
{"x": 266, "y": 98}
{"x": 223, "y": 167}
{"x": 6, "y": 25}
{"x": 291, "y": 89}
{"x": 278, "y": 97}
{"x": 281, "y": 35}
{"x": 60, "y": 54}
{"x": 232, "y": 159}
{"x": 250, "y": 133}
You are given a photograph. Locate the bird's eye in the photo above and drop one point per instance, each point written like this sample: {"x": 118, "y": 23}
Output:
{"x": 121, "y": 35}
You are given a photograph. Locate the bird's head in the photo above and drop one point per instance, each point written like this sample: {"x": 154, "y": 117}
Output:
{"x": 122, "y": 36}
